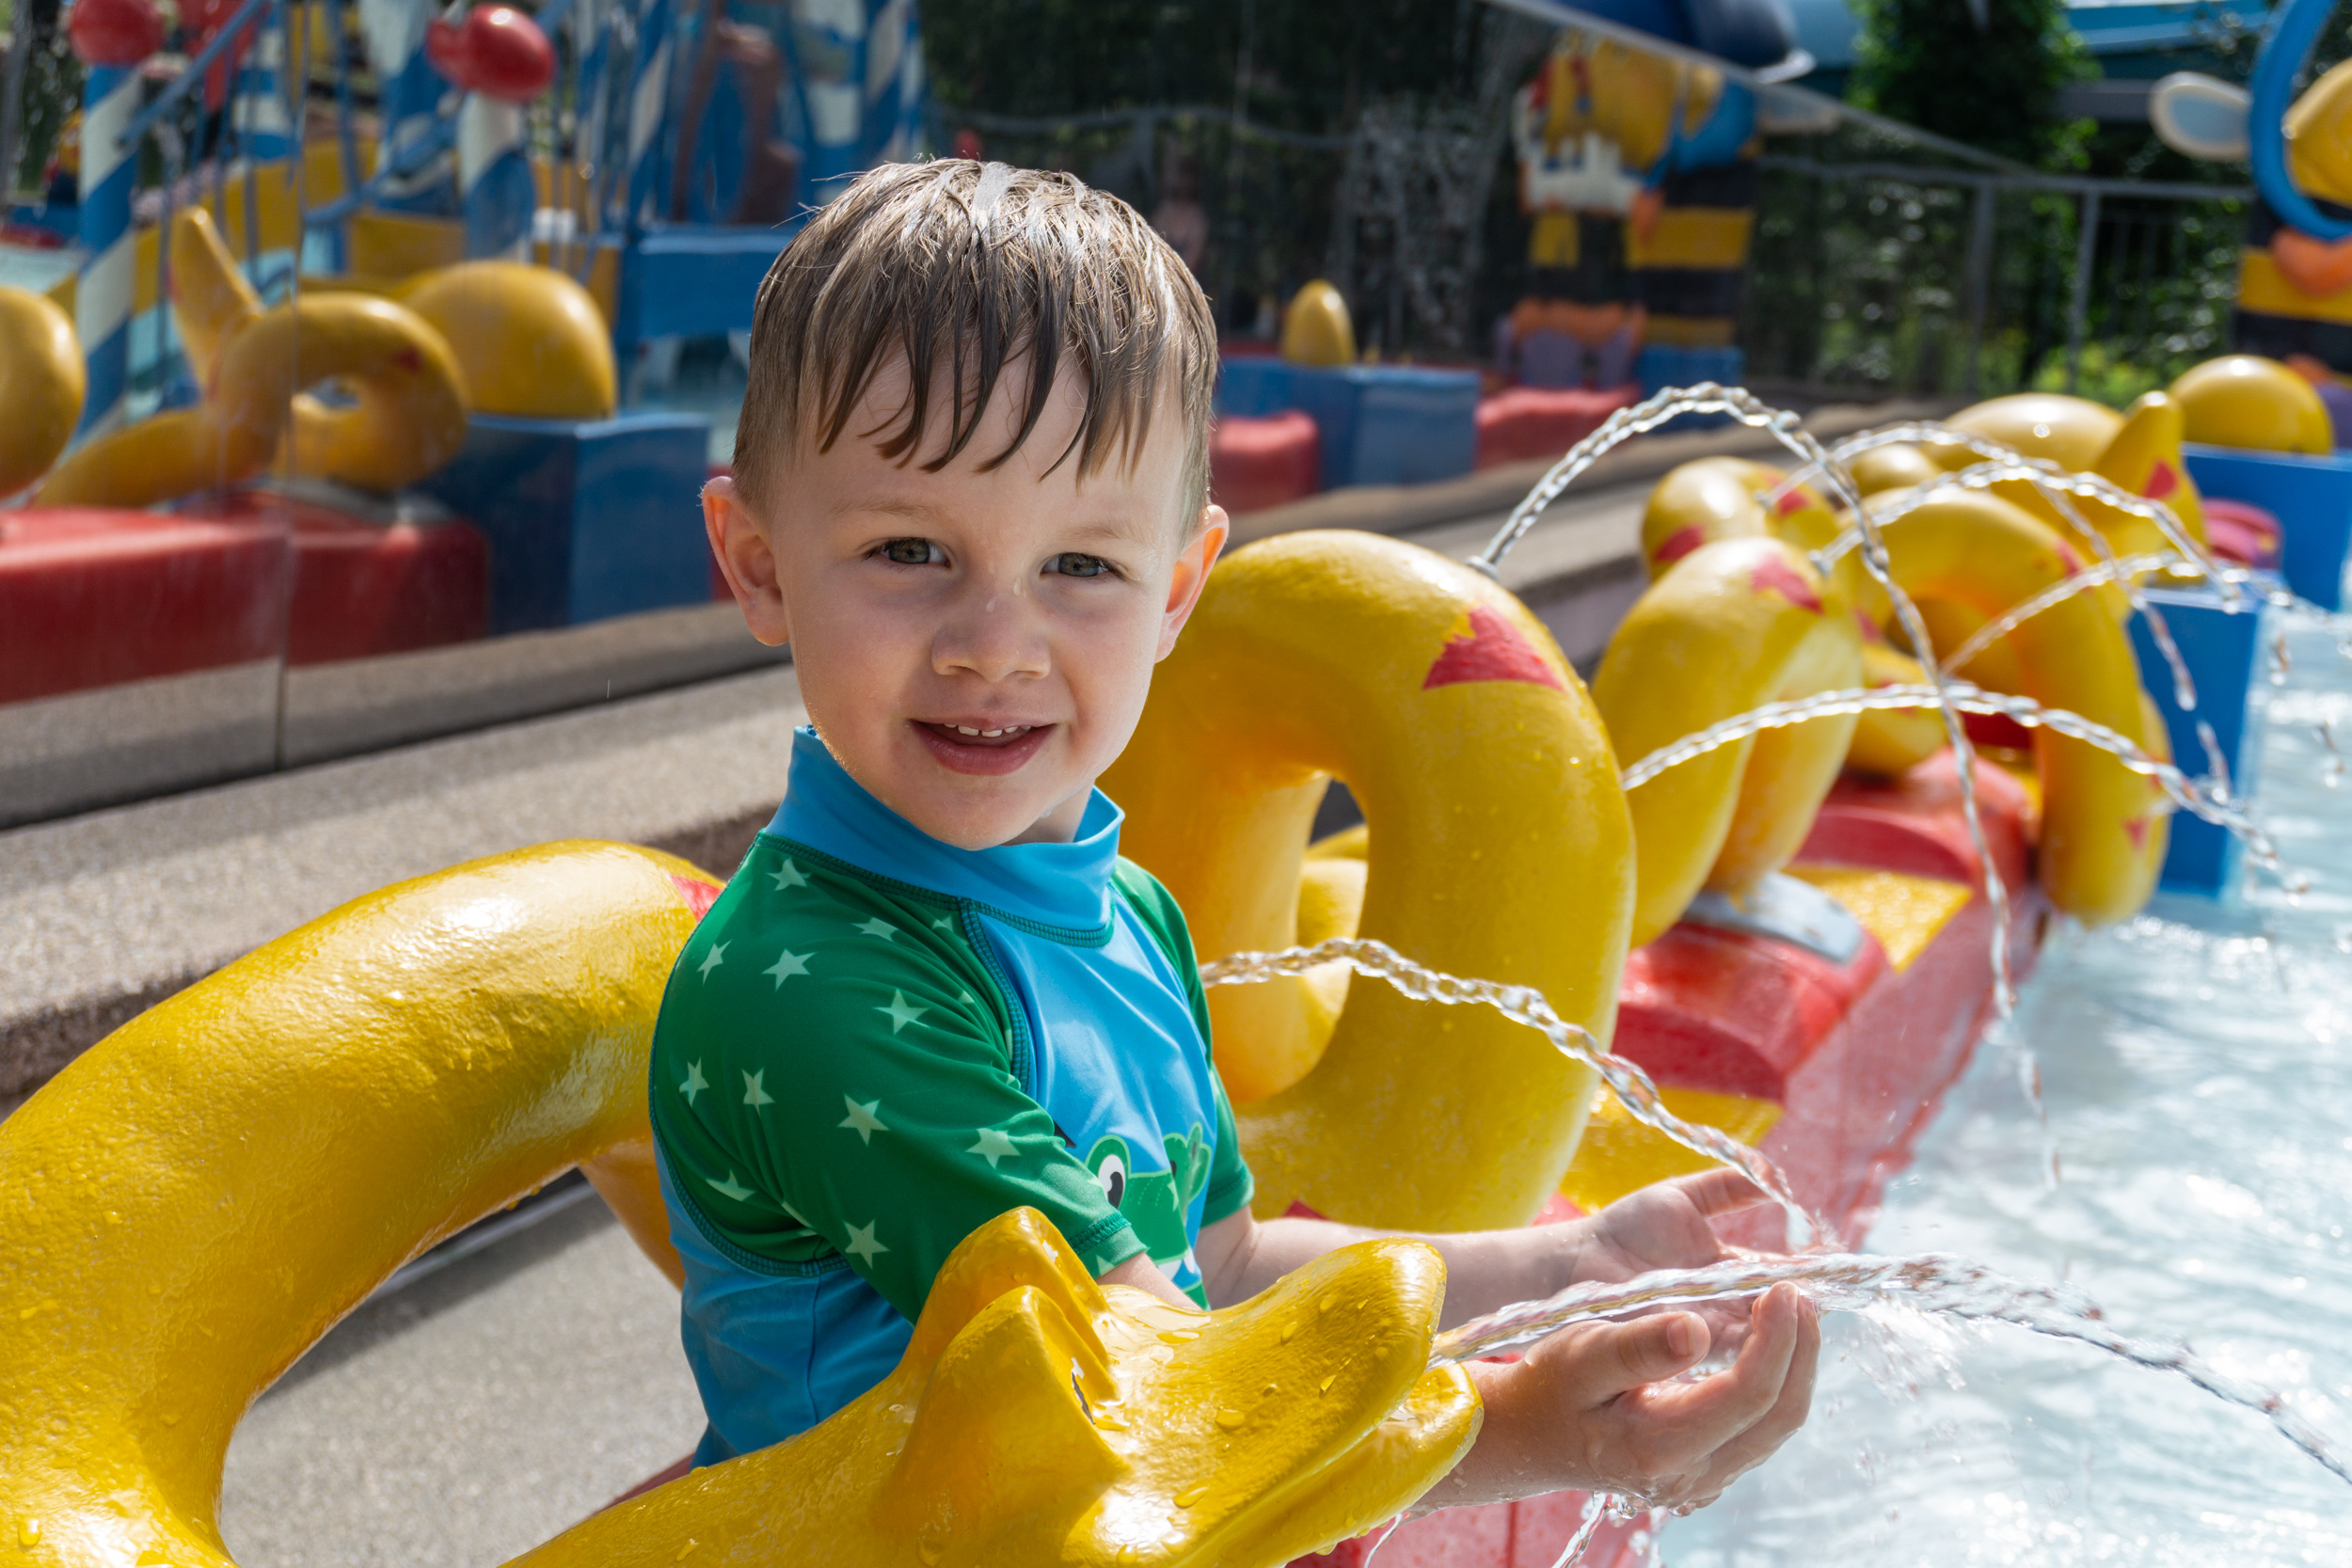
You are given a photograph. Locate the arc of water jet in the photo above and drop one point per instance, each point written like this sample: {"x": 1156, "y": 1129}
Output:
{"x": 2059, "y": 593}
{"x": 1597, "y": 1508}
{"x": 1875, "y": 559}
{"x": 2042, "y": 471}
{"x": 1620, "y": 427}
{"x": 1709, "y": 397}
{"x": 2263, "y": 592}
{"x": 1523, "y": 1005}
{"x": 1982, "y": 476}
{"x": 1915, "y": 432}
{"x": 2058, "y": 488}
{"x": 2217, "y": 807}
{"x": 2184, "y": 685}
{"x": 1600, "y": 1508}
{"x": 1932, "y": 1283}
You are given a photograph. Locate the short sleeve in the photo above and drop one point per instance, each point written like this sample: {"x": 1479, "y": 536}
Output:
{"x": 839, "y": 1086}
{"x": 1230, "y": 1185}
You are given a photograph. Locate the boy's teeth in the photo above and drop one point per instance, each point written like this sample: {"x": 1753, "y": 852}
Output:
{"x": 1008, "y": 729}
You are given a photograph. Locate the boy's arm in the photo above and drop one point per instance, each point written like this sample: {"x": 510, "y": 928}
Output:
{"x": 1589, "y": 1407}
{"x": 1666, "y": 1225}
{"x": 1144, "y": 1274}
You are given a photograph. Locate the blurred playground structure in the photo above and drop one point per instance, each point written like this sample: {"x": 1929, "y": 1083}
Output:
{"x": 654, "y": 152}
{"x": 383, "y": 337}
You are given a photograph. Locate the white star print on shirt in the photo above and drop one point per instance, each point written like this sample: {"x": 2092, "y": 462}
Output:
{"x": 878, "y": 926}
{"x": 789, "y": 965}
{"x": 695, "y": 1083}
{"x": 753, "y": 1094}
{"x": 864, "y": 1120}
{"x": 787, "y": 877}
{"x": 942, "y": 924}
{"x": 862, "y": 1242}
{"x": 992, "y": 1146}
{"x": 900, "y": 1012}
{"x": 729, "y": 1188}
{"x": 711, "y": 960}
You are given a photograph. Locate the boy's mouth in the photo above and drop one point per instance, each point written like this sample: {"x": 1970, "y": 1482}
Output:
{"x": 977, "y": 749}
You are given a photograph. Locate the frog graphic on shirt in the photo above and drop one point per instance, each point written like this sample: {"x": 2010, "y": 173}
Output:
{"x": 1154, "y": 1201}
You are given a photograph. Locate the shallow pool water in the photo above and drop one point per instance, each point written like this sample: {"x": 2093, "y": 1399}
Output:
{"x": 2196, "y": 1067}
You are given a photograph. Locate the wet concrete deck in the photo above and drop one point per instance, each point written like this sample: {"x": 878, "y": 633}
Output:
{"x": 471, "y": 1415}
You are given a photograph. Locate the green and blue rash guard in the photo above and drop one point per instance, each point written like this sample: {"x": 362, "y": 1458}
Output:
{"x": 876, "y": 1042}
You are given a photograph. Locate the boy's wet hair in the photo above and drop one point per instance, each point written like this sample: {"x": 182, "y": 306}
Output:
{"x": 973, "y": 267}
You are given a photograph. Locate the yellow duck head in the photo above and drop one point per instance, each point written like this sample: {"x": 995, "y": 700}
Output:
{"x": 2139, "y": 450}
{"x": 1038, "y": 1417}
{"x": 2243, "y": 399}
{"x": 41, "y": 385}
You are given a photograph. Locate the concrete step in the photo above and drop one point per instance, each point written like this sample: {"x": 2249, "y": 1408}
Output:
{"x": 461, "y": 1421}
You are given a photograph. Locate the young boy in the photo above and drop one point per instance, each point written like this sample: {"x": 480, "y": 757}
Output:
{"x": 970, "y": 491}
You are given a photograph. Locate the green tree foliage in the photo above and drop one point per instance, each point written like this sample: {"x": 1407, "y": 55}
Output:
{"x": 1309, "y": 67}
{"x": 1995, "y": 87}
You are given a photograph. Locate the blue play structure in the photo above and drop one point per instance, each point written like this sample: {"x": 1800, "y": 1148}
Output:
{"x": 2222, "y": 650}
{"x": 1379, "y": 424}
{"x": 703, "y": 129}
{"x": 662, "y": 153}
{"x": 2311, "y": 498}
{"x": 664, "y": 164}
{"x": 586, "y": 518}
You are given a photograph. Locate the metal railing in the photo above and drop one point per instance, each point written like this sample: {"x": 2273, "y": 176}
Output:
{"x": 1893, "y": 276}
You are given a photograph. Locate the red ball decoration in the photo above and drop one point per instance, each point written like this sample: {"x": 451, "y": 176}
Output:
{"x": 445, "y": 51}
{"x": 496, "y": 50}
{"x": 115, "y": 32}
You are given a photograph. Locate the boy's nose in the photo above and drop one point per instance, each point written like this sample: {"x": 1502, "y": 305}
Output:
{"x": 995, "y": 637}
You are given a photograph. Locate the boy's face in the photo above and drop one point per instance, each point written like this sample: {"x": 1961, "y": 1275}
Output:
{"x": 974, "y": 647}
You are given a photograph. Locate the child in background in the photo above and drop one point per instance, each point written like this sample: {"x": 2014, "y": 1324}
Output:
{"x": 970, "y": 490}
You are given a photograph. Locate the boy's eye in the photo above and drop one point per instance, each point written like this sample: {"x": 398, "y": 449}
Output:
{"x": 1072, "y": 564}
{"x": 911, "y": 552}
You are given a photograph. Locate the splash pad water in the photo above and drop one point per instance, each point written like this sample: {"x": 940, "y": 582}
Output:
{"x": 2192, "y": 1061}
{"x": 1354, "y": 1487}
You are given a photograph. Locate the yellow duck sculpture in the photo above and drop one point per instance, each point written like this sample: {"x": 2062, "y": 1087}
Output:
{"x": 194, "y": 1201}
{"x": 484, "y": 337}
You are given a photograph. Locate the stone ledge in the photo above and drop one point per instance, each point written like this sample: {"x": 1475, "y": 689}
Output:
{"x": 104, "y": 914}
{"x": 89, "y": 750}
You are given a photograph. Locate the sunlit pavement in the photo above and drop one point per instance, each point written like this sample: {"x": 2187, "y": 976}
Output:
{"x": 471, "y": 1415}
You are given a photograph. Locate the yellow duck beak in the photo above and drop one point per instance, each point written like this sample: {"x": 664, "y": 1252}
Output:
{"x": 1038, "y": 1417}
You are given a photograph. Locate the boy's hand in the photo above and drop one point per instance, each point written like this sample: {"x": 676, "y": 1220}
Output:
{"x": 1591, "y": 1406}
{"x": 1664, "y": 1226}
{"x": 1667, "y": 1225}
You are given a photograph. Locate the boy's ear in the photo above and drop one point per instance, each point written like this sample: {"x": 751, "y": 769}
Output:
{"x": 1192, "y": 575}
{"x": 739, "y": 543}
